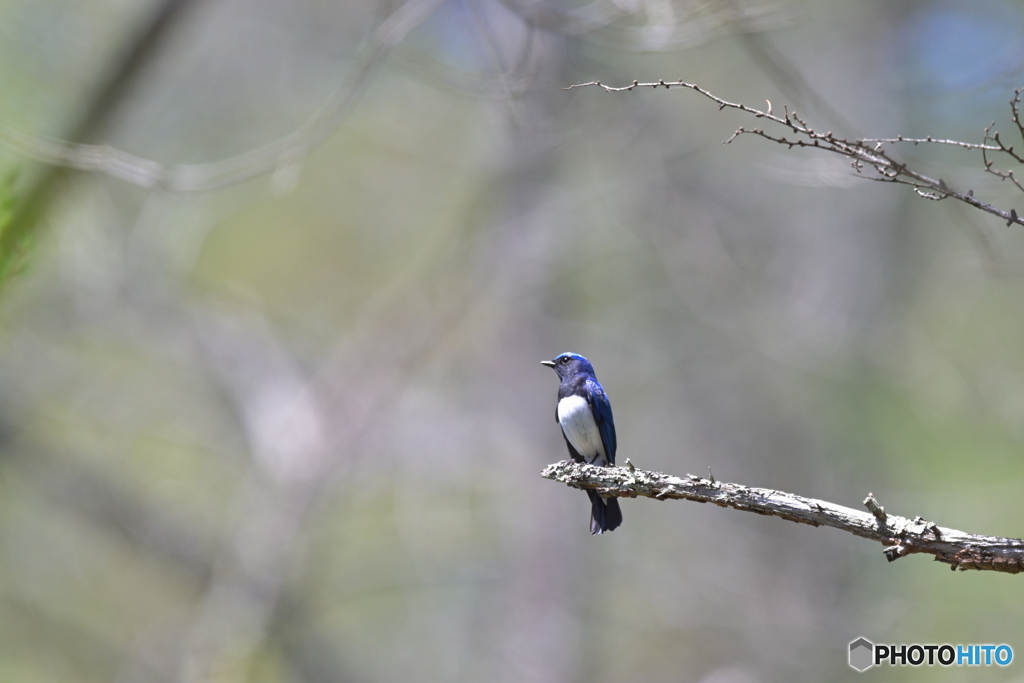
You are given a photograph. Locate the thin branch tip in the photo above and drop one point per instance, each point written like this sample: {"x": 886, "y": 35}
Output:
{"x": 872, "y": 151}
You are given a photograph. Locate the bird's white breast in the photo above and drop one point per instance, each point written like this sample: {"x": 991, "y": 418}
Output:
{"x": 577, "y": 420}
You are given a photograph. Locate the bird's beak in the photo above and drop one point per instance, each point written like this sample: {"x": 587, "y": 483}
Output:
{"x": 549, "y": 363}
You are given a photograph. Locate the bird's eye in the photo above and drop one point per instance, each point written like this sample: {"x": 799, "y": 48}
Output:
{"x": 565, "y": 359}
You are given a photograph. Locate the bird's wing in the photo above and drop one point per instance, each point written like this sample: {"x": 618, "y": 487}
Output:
{"x": 602, "y": 410}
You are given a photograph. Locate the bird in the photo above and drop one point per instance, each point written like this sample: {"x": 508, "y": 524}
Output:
{"x": 585, "y": 415}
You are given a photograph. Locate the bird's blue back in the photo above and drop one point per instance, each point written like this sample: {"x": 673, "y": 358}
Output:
{"x": 599, "y": 403}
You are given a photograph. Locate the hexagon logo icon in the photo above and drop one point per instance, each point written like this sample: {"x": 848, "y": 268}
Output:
{"x": 862, "y": 654}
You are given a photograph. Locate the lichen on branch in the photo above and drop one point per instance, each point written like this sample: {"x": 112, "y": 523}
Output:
{"x": 901, "y": 536}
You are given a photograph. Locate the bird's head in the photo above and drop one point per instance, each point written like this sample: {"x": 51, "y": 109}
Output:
{"x": 569, "y": 364}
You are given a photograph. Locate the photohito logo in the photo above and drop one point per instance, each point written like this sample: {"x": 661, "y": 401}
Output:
{"x": 864, "y": 654}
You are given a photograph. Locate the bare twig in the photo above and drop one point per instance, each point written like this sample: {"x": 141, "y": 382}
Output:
{"x": 929, "y": 139}
{"x": 865, "y": 152}
{"x": 900, "y": 535}
{"x": 1000, "y": 147}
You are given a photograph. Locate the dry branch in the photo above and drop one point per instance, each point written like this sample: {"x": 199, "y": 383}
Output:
{"x": 900, "y": 535}
{"x": 869, "y": 151}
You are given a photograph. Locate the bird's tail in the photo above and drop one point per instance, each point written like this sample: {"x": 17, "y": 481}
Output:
{"x": 605, "y": 514}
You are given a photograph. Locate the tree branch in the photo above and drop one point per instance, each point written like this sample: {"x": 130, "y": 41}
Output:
{"x": 900, "y": 535}
{"x": 868, "y": 151}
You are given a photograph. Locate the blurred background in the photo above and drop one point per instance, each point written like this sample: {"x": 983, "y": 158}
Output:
{"x": 270, "y": 400}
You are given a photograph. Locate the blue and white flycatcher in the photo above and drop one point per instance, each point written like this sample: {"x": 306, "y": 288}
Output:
{"x": 585, "y": 416}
